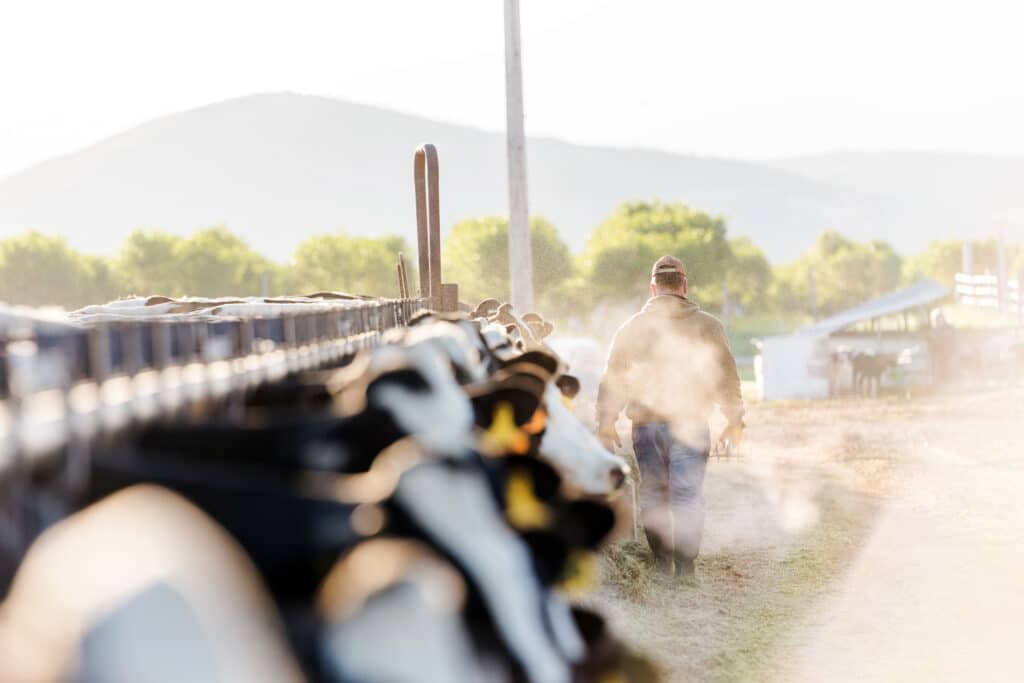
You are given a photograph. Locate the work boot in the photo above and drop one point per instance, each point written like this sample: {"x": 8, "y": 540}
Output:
{"x": 663, "y": 556}
{"x": 685, "y": 567}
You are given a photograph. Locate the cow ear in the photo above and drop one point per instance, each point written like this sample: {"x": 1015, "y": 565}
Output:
{"x": 522, "y": 392}
{"x": 531, "y": 372}
{"x": 524, "y": 404}
{"x": 569, "y": 385}
{"x": 541, "y": 358}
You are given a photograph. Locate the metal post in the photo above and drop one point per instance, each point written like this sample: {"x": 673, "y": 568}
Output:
{"x": 422, "y": 233}
{"x": 428, "y": 221}
{"x": 520, "y": 255}
{"x": 403, "y": 278}
{"x": 434, "y": 223}
{"x": 449, "y": 297}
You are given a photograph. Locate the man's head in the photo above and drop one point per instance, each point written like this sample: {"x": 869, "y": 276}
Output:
{"x": 668, "y": 276}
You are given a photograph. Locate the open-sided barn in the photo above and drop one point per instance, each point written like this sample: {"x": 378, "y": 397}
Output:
{"x": 816, "y": 361}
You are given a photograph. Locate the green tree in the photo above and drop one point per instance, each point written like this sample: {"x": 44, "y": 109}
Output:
{"x": 749, "y": 276}
{"x": 476, "y": 257}
{"x": 149, "y": 264}
{"x": 358, "y": 265}
{"x": 216, "y": 262}
{"x": 617, "y": 260}
{"x": 39, "y": 270}
{"x": 943, "y": 259}
{"x": 841, "y": 272}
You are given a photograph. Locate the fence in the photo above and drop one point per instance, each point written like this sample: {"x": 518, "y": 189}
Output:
{"x": 66, "y": 388}
{"x": 60, "y": 383}
{"x": 986, "y": 291}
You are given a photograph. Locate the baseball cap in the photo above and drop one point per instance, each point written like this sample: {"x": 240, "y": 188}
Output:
{"x": 668, "y": 264}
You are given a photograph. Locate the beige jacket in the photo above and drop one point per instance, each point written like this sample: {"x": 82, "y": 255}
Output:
{"x": 670, "y": 362}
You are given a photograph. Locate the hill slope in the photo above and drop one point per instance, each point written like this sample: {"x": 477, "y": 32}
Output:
{"x": 279, "y": 167}
{"x": 972, "y": 194}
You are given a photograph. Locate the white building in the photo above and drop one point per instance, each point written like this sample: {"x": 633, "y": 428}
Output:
{"x": 804, "y": 364}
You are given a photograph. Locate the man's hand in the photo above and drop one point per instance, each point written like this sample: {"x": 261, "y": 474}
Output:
{"x": 731, "y": 437}
{"x": 609, "y": 436}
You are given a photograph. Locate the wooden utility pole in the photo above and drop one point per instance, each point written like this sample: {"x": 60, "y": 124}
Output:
{"x": 812, "y": 295}
{"x": 1004, "y": 284}
{"x": 1020, "y": 298}
{"x": 725, "y": 303}
{"x": 520, "y": 254}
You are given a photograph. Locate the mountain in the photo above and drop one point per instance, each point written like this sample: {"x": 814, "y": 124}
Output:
{"x": 966, "y": 194}
{"x": 277, "y": 168}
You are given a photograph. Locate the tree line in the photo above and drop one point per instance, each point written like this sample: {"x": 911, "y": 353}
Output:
{"x": 40, "y": 270}
{"x": 833, "y": 274}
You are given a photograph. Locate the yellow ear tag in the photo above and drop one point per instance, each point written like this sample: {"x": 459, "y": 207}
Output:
{"x": 522, "y": 508}
{"x": 537, "y": 422}
{"x": 580, "y": 575}
{"x": 503, "y": 436}
{"x": 567, "y": 402}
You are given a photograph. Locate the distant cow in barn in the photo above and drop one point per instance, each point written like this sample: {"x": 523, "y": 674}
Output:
{"x": 868, "y": 369}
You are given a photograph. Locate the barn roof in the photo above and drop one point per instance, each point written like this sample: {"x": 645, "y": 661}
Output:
{"x": 920, "y": 293}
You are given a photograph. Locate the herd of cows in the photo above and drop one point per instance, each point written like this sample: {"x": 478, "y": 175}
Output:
{"x": 425, "y": 510}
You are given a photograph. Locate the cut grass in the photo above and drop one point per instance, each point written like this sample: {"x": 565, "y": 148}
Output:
{"x": 782, "y": 523}
{"x": 629, "y": 569}
{"x": 729, "y": 623}
{"x": 789, "y": 589}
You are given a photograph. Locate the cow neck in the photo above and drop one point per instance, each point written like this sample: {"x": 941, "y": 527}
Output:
{"x": 364, "y": 435}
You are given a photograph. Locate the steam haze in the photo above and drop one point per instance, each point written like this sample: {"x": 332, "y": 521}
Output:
{"x": 843, "y": 180}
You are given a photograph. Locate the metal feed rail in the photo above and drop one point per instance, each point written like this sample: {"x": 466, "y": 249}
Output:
{"x": 68, "y": 384}
{"x": 62, "y": 384}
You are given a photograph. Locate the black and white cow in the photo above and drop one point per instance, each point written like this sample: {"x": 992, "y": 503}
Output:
{"x": 444, "y": 497}
{"x": 566, "y": 443}
{"x": 419, "y": 442}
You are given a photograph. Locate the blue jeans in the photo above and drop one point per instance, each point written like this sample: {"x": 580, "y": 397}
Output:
{"x": 672, "y": 467}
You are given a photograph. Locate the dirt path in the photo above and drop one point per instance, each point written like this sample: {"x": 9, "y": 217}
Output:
{"x": 937, "y": 591}
{"x": 822, "y": 544}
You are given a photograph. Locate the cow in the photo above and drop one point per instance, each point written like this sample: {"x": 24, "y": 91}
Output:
{"x": 404, "y": 381}
{"x": 448, "y": 451}
{"x": 868, "y": 369}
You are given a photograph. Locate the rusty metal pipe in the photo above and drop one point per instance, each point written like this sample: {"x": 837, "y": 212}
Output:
{"x": 428, "y": 221}
{"x": 419, "y": 167}
{"x": 434, "y": 214}
{"x": 403, "y": 277}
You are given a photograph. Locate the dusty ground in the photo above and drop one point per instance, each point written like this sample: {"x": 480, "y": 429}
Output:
{"x": 853, "y": 540}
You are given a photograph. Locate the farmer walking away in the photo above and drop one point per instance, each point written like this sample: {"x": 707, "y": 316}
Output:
{"x": 669, "y": 365}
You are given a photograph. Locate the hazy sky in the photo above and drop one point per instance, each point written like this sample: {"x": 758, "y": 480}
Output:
{"x": 749, "y": 79}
